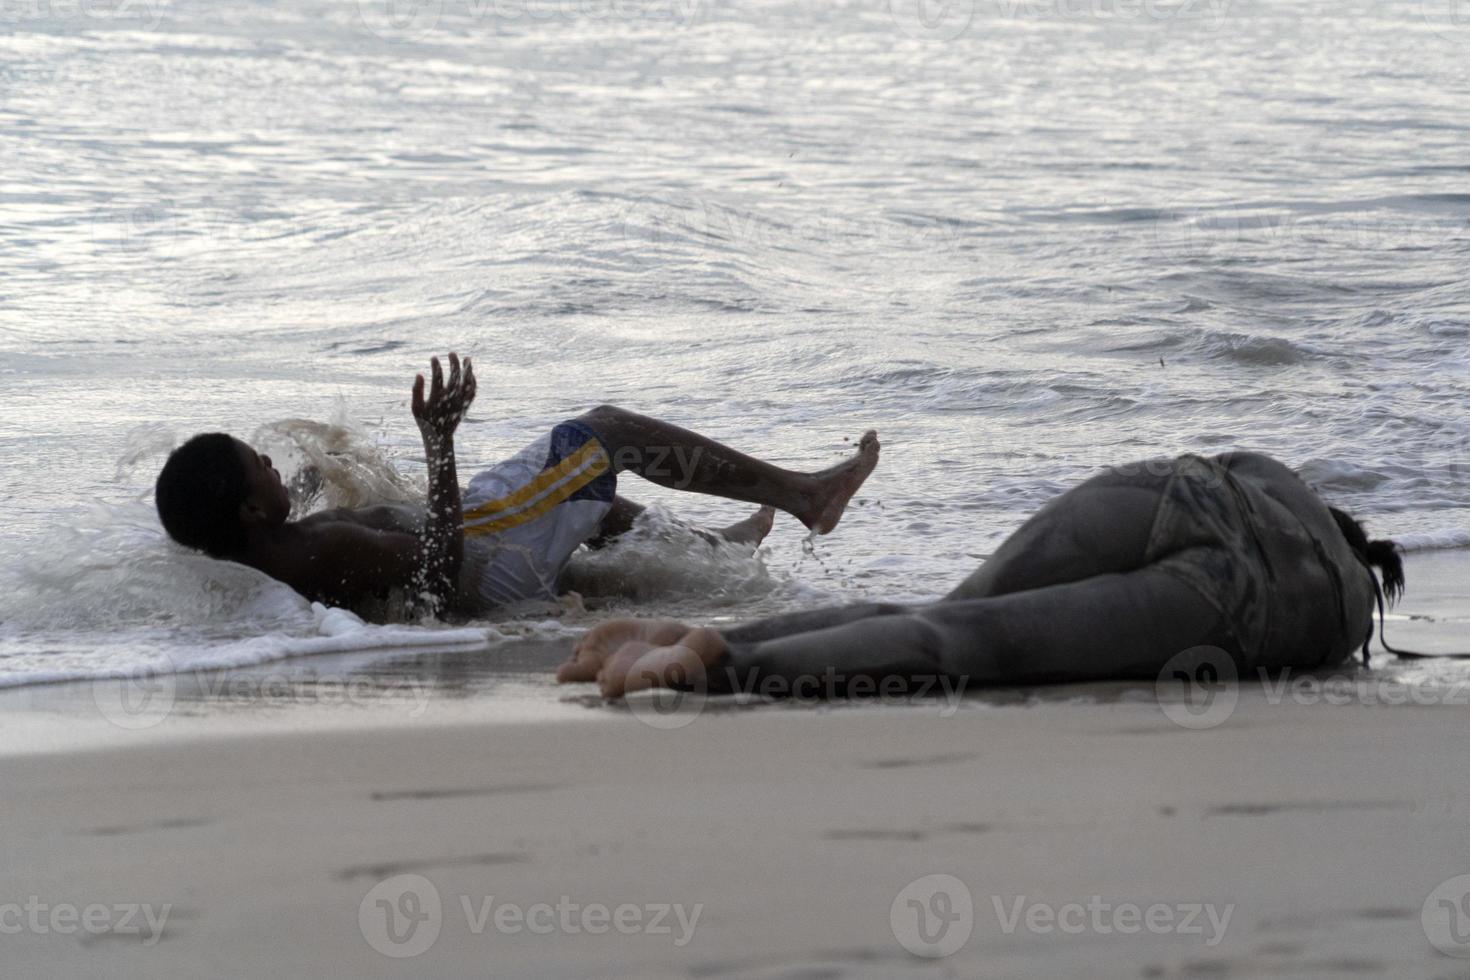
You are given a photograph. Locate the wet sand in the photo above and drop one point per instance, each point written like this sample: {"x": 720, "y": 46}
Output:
{"x": 1302, "y": 831}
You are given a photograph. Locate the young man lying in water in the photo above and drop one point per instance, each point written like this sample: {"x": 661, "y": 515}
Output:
{"x": 509, "y": 535}
{"x": 1109, "y": 581}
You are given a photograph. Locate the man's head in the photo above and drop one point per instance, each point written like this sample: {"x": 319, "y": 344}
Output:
{"x": 214, "y": 489}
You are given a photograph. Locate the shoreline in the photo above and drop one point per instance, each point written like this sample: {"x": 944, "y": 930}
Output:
{"x": 268, "y": 820}
{"x": 510, "y": 682}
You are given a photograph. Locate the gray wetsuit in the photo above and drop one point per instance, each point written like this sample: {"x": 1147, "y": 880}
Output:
{"x": 1110, "y": 580}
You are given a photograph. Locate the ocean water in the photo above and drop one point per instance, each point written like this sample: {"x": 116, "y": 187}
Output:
{"x": 1023, "y": 239}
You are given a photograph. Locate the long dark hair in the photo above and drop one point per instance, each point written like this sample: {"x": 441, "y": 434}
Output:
{"x": 1382, "y": 554}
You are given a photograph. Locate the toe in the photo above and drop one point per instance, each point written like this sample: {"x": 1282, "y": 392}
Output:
{"x": 576, "y": 672}
{"x": 610, "y": 681}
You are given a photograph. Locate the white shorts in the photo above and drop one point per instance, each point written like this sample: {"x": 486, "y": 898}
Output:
{"x": 524, "y": 518}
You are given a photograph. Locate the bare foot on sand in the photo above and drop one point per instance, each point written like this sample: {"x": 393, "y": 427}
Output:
{"x": 598, "y": 645}
{"x": 839, "y": 484}
{"x": 753, "y": 529}
{"x": 637, "y": 666}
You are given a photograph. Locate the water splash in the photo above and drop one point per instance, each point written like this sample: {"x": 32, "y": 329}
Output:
{"x": 665, "y": 559}
{"x": 335, "y": 464}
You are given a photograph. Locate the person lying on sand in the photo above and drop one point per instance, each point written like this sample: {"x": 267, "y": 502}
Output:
{"x": 509, "y": 535}
{"x": 1109, "y": 581}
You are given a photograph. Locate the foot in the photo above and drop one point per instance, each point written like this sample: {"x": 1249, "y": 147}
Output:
{"x": 753, "y": 529}
{"x": 838, "y": 484}
{"x": 593, "y": 650}
{"x": 638, "y": 666}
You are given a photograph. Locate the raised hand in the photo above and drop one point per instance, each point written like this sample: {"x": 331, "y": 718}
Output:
{"x": 440, "y": 414}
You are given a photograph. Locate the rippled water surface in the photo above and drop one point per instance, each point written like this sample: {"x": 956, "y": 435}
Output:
{"x": 1021, "y": 238}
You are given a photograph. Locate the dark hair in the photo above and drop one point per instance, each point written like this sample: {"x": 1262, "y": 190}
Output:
{"x": 1381, "y": 554}
{"x": 199, "y": 494}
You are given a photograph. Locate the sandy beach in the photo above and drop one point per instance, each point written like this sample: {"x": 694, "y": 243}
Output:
{"x": 458, "y": 816}
{"x": 280, "y": 703}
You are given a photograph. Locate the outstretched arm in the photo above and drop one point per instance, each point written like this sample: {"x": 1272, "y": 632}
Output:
{"x": 441, "y": 542}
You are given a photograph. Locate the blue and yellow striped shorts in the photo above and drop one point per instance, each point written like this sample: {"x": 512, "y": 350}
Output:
{"x": 524, "y": 518}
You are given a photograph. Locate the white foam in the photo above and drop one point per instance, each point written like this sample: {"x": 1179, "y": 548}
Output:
{"x": 662, "y": 558}
{"x": 1445, "y": 539}
{"x": 342, "y": 632}
{"x": 1340, "y": 475}
{"x": 111, "y": 596}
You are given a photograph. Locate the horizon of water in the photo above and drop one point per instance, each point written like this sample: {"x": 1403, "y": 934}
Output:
{"x": 1023, "y": 239}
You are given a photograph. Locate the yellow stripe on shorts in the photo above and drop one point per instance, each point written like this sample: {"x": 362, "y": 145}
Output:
{"x": 551, "y": 486}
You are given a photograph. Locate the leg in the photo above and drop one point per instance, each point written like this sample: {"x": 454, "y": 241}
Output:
{"x": 1097, "y": 528}
{"x": 1111, "y": 627}
{"x": 624, "y": 513}
{"x": 603, "y": 641}
{"x": 619, "y": 521}
{"x": 677, "y": 458}
{"x": 790, "y": 624}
